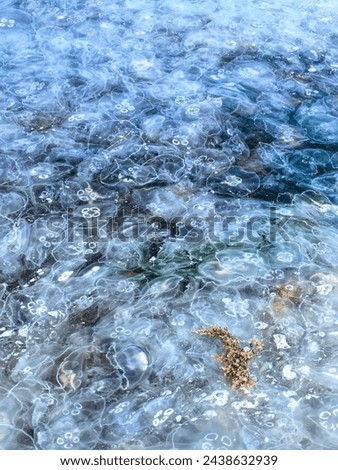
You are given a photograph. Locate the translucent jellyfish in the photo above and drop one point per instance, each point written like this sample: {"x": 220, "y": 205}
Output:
{"x": 59, "y": 44}
{"x": 334, "y": 160}
{"x": 317, "y": 416}
{"x": 275, "y": 104}
{"x": 234, "y": 99}
{"x": 309, "y": 161}
{"x": 71, "y": 373}
{"x": 120, "y": 420}
{"x": 152, "y": 127}
{"x": 207, "y": 432}
{"x": 137, "y": 175}
{"x": 121, "y": 137}
{"x": 232, "y": 267}
{"x": 15, "y": 27}
{"x": 144, "y": 67}
{"x": 11, "y": 202}
{"x": 13, "y": 172}
{"x": 169, "y": 168}
{"x": 320, "y": 120}
{"x": 252, "y": 74}
{"x": 68, "y": 422}
{"x": 106, "y": 387}
{"x": 321, "y": 128}
{"x": 284, "y": 254}
{"x": 134, "y": 363}
{"x": 235, "y": 182}
{"x": 11, "y": 267}
{"x": 63, "y": 432}
{"x": 327, "y": 184}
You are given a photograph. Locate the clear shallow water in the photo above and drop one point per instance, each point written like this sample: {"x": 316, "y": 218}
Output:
{"x": 167, "y": 167}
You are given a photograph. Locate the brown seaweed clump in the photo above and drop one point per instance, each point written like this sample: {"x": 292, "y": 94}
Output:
{"x": 234, "y": 359}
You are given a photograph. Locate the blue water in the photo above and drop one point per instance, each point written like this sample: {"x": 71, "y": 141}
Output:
{"x": 166, "y": 167}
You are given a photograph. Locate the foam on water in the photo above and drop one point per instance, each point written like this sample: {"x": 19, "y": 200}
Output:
{"x": 166, "y": 167}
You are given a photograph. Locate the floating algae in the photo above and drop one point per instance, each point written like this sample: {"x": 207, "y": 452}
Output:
{"x": 234, "y": 360}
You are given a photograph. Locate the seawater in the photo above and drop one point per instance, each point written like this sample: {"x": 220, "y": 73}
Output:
{"x": 167, "y": 166}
